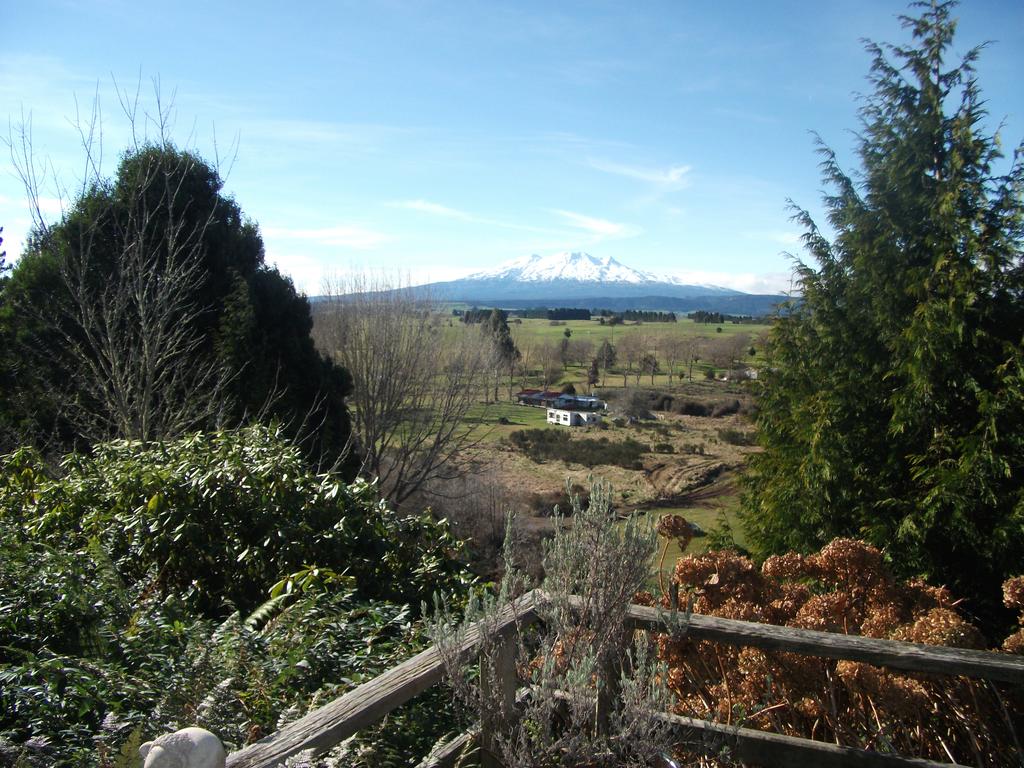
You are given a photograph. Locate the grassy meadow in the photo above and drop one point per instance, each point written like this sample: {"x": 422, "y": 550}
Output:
{"x": 716, "y": 347}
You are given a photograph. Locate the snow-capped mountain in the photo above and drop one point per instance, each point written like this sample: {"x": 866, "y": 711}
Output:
{"x": 583, "y": 281}
{"x": 565, "y": 266}
{"x": 578, "y": 267}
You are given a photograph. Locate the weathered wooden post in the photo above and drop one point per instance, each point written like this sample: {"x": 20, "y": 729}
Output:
{"x": 498, "y": 686}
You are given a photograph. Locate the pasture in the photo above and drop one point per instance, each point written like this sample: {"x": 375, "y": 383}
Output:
{"x": 532, "y": 330}
{"x": 688, "y": 348}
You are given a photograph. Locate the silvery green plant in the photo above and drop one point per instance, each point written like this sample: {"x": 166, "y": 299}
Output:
{"x": 580, "y": 651}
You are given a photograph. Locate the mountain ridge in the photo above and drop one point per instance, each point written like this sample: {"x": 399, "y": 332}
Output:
{"x": 575, "y": 279}
{"x": 579, "y": 267}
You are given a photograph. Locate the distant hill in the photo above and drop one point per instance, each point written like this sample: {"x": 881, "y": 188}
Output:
{"x": 753, "y": 304}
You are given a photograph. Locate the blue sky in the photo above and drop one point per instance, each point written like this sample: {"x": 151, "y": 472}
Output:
{"x": 433, "y": 139}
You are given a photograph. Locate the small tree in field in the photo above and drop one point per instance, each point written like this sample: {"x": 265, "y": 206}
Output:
{"x": 606, "y": 356}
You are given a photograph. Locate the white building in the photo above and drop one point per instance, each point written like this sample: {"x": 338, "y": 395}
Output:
{"x": 572, "y": 418}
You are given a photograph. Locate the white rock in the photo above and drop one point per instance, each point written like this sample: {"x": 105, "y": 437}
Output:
{"x": 187, "y": 748}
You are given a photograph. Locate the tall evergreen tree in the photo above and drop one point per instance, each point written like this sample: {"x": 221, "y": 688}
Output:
{"x": 506, "y": 353}
{"x": 892, "y": 405}
{"x": 148, "y": 310}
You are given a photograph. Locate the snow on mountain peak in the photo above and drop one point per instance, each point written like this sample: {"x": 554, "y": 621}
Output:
{"x": 576, "y": 266}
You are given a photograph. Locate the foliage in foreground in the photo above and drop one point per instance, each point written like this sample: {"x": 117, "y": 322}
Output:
{"x": 577, "y": 656}
{"x": 134, "y": 595}
{"x": 844, "y": 588}
{"x": 892, "y": 406}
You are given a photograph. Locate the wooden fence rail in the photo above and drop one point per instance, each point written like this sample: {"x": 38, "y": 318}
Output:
{"x": 327, "y": 726}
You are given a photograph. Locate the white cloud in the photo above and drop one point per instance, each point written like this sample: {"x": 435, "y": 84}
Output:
{"x": 673, "y": 177}
{"x": 51, "y": 206}
{"x": 787, "y": 239}
{"x": 435, "y": 209}
{"x": 444, "y": 211}
{"x": 345, "y": 236}
{"x": 307, "y": 273}
{"x": 595, "y": 226}
{"x": 748, "y": 282}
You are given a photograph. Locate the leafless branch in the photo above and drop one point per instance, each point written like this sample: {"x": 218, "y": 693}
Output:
{"x": 415, "y": 382}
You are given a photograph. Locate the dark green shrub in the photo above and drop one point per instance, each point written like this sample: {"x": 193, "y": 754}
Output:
{"x": 216, "y": 518}
{"x": 555, "y": 444}
{"x": 660, "y": 401}
{"x": 736, "y": 437}
{"x": 725, "y": 408}
{"x": 543, "y": 504}
{"x": 107, "y": 597}
{"x": 691, "y": 408}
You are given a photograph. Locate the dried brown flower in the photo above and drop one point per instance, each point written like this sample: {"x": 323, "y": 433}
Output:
{"x": 1013, "y": 593}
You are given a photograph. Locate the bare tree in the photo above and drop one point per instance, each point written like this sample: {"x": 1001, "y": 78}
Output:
{"x": 581, "y": 351}
{"x": 527, "y": 353}
{"x": 631, "y": 349}
{"x": 606, "y": 355}
{"x": 648, "y": 364}
{"x": 723, "y": 351}
{"x": 414, "y": 381}
{"x": 673, "y": 350}
{"x": 740, "y": 347}
{"x": 552, "y": 362}
{"x": 693, "y": 350}
{"x": 120, "y": 331}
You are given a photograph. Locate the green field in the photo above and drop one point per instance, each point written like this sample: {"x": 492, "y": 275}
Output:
{"x": 530, "y": 330}
{"x": 536, "y": 339}
{"x": 519, "y": 417}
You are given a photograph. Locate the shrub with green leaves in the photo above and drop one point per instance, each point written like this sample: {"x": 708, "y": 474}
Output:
{"x": 213, "y": 580}
{"x": 216, "y": 518}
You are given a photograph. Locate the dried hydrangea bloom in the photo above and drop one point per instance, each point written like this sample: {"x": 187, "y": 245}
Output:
{"x": 941, "y": 626}
{"x": 788, "y": 566}
{"x": 644, "y": 598}
{"x": 742, "y": 610}
{"x": 721, "y": 575}
{"x": 784, "y": 608}
{"x": 844, "y": 588}
{"x": 1013, "y": 593}
{"x": 675, "y": 527}
{"x": 811, "y": 708}
{"x": 897, "y": 695}
{"x": 832, "y": 612}
{"x": 921, "y": 596}
{"x": 882, "y": 620}
{"x": 851, "y": 564}
{"x": 1015, "y": 642}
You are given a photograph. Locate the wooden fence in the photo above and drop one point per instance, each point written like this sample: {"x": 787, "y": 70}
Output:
{"x": 325, "y": 727}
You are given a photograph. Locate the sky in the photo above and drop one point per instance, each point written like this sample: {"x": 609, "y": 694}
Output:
{"x": 429, "y": 140}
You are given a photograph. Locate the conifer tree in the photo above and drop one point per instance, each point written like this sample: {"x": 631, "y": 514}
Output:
{"x": 504, "y": 347}
{"x": 148, "y": 311}
{"x": 892, "y": 406}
